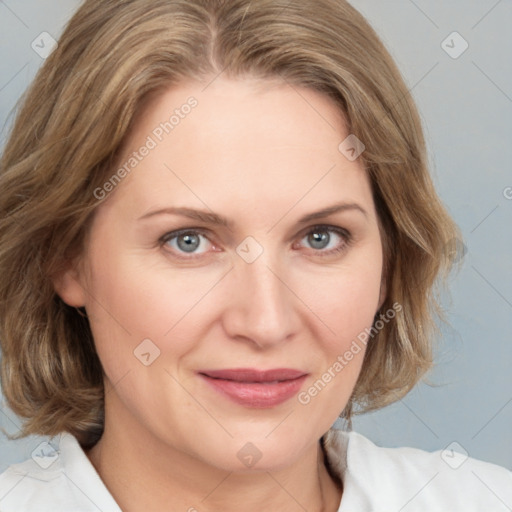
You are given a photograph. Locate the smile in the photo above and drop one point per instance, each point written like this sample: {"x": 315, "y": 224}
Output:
{"x": 256, "y": 388}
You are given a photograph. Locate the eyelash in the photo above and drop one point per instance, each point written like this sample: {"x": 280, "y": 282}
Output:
{"x": 342, "y": 233}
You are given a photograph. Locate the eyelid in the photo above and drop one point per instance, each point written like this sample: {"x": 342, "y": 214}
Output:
{"x": 173, "y": 234}
{"x": 178, "y": 232}
{"x": 345, "y": 234}
{"x": 325, "y": 227}
{"x": 342, "y": 232}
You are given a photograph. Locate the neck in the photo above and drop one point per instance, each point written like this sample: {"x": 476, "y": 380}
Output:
{"x": 153, "y": 476}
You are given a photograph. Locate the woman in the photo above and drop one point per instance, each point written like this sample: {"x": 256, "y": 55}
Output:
{"x": 219, "y": 234}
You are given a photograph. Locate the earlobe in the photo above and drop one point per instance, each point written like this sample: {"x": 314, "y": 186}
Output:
{"x": 68, "y": 288}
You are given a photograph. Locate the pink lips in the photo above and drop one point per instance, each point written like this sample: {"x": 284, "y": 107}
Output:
{"x": 256, "y": 388}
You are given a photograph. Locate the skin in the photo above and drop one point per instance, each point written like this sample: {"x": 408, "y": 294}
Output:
{"x": 262, "y": 154}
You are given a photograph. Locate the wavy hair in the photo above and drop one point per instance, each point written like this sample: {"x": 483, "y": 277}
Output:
{"x": 72, "y": 123}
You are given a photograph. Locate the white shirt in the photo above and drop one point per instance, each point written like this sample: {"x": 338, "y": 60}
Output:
{"x": 374, "y": 480}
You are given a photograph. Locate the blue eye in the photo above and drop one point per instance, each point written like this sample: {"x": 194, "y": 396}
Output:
{"x": 191, "y": 243}
{"x": 321, "y": 237}
{"x": 186, "y": 241}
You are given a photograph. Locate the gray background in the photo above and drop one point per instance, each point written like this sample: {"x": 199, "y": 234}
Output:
{"x": 466, "y": 105}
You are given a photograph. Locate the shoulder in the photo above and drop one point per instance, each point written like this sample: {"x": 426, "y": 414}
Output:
{"x": 59, "y": 476}
{"x": 377, "y": 478}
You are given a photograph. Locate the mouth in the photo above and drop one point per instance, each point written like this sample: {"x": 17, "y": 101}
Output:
{"x": 259, "y": 389}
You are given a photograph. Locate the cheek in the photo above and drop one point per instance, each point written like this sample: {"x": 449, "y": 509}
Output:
{"x": 346, "y": 301}
{"x": 346, "y": 304}
{"x": 133, "y": 299}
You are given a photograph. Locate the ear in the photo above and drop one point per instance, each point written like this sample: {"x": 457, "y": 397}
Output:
{"x": 67, "y": 285}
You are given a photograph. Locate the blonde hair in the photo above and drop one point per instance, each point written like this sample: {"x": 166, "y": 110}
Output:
{"x": 111, "y": 58}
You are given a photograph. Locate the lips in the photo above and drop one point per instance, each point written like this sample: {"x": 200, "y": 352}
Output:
{"x": 250, "y": 375}
{"x": 255, "y": 388}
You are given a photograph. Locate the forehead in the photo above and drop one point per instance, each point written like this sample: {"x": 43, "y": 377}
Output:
{"x": 249, "y": 141}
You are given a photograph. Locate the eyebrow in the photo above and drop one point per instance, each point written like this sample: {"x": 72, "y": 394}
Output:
{"x": 219, "y": 220}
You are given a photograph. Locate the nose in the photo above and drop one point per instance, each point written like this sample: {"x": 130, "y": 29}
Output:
{"x": 263, "y": 308}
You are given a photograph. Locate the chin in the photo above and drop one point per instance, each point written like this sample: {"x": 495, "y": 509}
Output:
{"x": 250, "y": 454}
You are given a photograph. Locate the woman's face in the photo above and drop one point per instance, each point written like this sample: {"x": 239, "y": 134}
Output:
{"x": 213, "y": 254}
